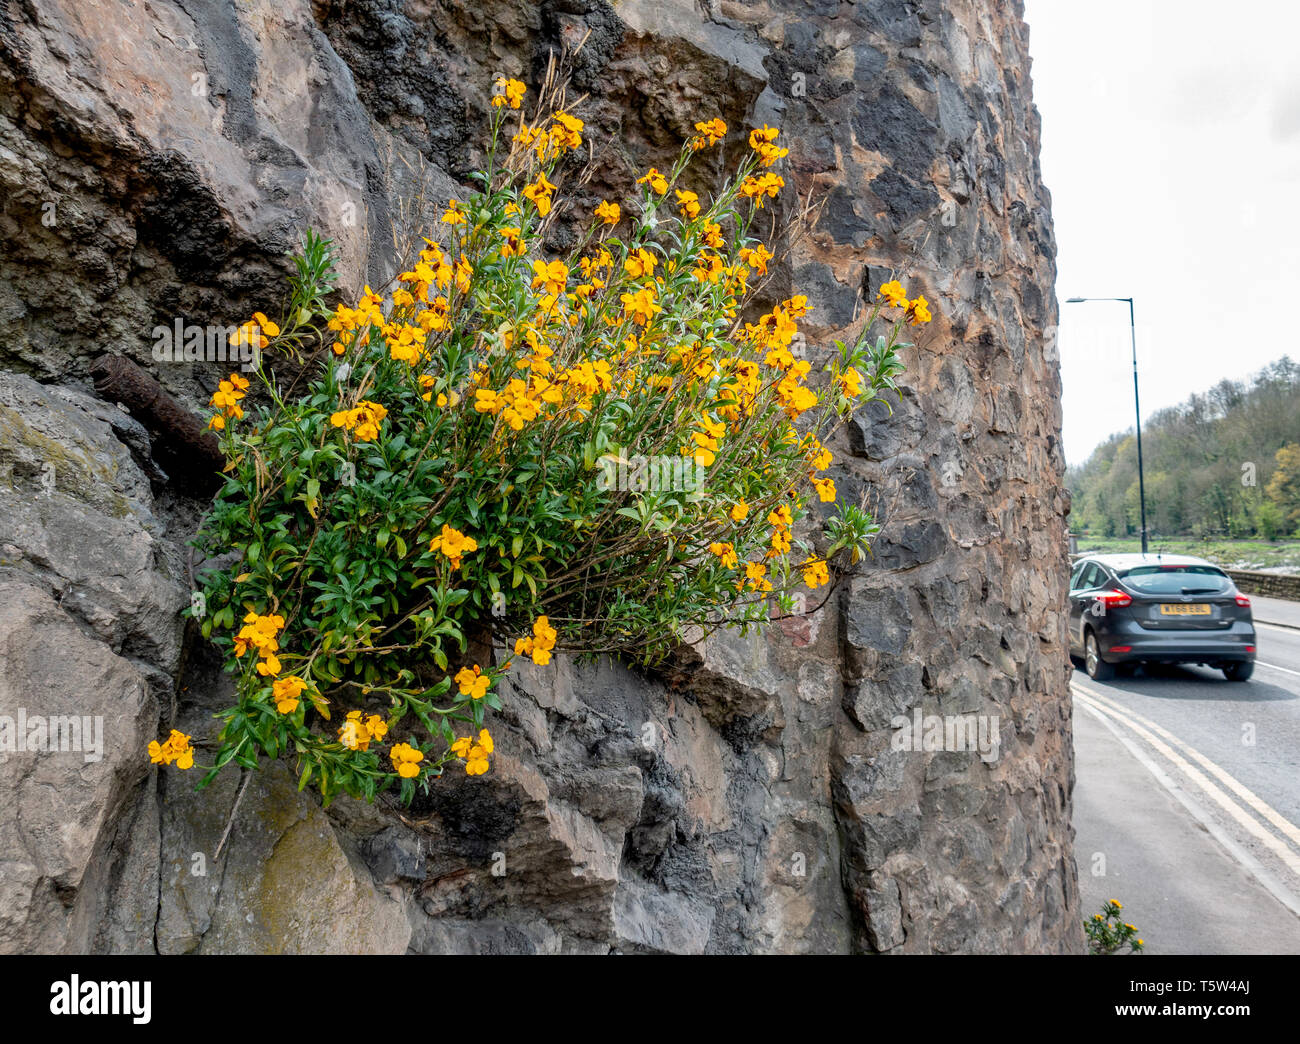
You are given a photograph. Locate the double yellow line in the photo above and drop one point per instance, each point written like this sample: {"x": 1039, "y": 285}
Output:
{"x": 1213, "y": 780}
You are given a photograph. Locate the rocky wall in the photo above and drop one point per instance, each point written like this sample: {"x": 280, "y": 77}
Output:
{"x": 158, "y": 159}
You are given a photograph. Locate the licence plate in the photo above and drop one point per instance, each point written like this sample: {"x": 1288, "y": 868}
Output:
{"x": 1188, "y": 609}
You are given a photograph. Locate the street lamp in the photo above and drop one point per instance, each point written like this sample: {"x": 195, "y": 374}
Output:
{"x": 1142, "y": 489}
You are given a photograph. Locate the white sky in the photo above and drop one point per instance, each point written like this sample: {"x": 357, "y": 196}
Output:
{"x": 1171, "y": 146}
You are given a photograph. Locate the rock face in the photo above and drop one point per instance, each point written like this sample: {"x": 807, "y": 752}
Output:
{"x": 158, "y": 160}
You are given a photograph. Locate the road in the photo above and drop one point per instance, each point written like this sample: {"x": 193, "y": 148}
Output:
{"x": 1187, "y": 801}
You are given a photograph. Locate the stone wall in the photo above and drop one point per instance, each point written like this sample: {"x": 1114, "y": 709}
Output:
{"x": 157, "y": 163}
{"x": 1270, "y": 585}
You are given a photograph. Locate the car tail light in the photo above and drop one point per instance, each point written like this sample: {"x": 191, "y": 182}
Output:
{"x": 1114, "y": 599}
{"x": 1243, "y": 601}
{"x": 1250, "y": 648}
{"x": 1121, "y": 648}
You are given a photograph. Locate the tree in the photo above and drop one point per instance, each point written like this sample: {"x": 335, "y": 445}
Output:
{"x": 1284, "y": 487}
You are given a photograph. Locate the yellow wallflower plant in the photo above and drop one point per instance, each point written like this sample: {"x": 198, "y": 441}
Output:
{"x": 427, "y": 508}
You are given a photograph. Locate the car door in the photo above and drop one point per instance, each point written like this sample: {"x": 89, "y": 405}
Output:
{"x": 1078, "y": 585}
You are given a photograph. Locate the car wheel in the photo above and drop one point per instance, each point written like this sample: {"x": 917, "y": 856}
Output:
{"x": 1097, "y": 668}
{"x": 1239, "y": 671}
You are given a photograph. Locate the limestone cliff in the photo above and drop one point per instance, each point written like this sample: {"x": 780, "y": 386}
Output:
{"x": 158, "y": 159}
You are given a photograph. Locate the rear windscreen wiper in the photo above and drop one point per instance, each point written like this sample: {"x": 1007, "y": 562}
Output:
{"x": 1199, "y": 590}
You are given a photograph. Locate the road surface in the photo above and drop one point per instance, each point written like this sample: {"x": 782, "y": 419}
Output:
{"x": 1187, "y": 800}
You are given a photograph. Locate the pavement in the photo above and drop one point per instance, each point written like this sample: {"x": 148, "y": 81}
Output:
{"x": 1276, "y": 611}
{"x": 1136, "y": 843}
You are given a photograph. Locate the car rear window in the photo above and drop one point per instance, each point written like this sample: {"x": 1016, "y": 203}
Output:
{"x": 1184, "y": 579}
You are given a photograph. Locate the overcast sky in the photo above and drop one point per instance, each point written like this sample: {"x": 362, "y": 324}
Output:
{"x": 1171, "y": 146}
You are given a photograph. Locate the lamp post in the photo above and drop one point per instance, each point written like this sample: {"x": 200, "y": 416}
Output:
{"x": 1142, "y": 489}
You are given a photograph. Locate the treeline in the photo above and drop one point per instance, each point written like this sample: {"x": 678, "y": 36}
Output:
{"x": 1222, "y": 464}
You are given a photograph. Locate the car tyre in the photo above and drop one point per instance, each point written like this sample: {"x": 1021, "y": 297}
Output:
{"x": 1239, "y": 671}
{"x": 1097, "y": 668}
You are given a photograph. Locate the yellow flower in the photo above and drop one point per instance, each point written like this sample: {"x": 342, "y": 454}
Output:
{"x": 726, "y": 554}
{"x": 353, "y": 733}
{"x": 509, "y": 92}
{"x": 513, "y": 245}
{"x": 710, "y": 133}
{"x": 608, "y": 212}
{"x": 176, "y": 748}
{"x": 756, "y": 257}
{"x": 540, "y": 192}
{"x": 642, "y": 263}
{"x": 552, "y": 277}
{"x": 825, "y": 490}
{"x": 485, "y": 741}
{"x": 739, "y": 511}
{"x": 473, "y": 682}
{"x": 641, "y": 306}
{"x": 705, "y": 450}
{"x": 376, "y": 727}
{"x": 815, "y": 573}
{"x": 1117, "y": 904}
{"x": 763, "y": 141}
{"x": 756, "y": 576}
{"x": 267, "y": 327}
{"x": 406, "y": 760}
{"x": 362, "y": 421}
{"x": 539, "y": 644}
{"x": 454, "y": 215}
{"x": 781, "y": 517}
{"x": 894, "y": 294}
{"x": 688, "y": 203}
{"x": 655, "y": 180}
{"x": 763, "y": 186}
{"x": 918, "y": 311}
{"x": 850, "y": 382}
{"x": 453, "y": 544}
{"x": 286, "y": 691}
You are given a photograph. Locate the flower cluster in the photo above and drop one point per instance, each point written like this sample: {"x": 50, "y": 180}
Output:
{"x": 453, "y": 544}
{"x": 763, "y": 141}
{"x": 475, "y": 752}
{"x": 176, "y": 748}
{"x": 357, "y": 733}
{"x": 406, "y": 760}
{"x": 256, "y": 332}
{"x": 434, "y": 486}
{"x": 508, "y": 92}
{"x": 286, "y": 692}
{"x": 362, "y": 420}
{"x": 259, "y": 632}
{"x": 226, "y": 399}
{"x": 1107, "y": 934}
{"x": 540, "y": 643}
{"x": 916, "y": 311}
{"x": 472, "y": 682}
